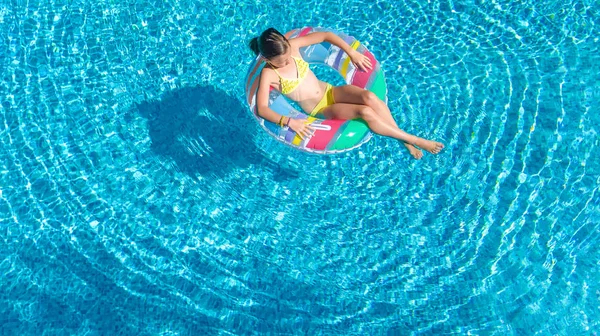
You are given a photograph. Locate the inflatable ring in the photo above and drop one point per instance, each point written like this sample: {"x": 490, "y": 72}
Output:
{"x": 331, "y": 136}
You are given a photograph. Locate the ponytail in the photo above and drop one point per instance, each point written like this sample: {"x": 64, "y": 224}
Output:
{"x": 254, "y": 45}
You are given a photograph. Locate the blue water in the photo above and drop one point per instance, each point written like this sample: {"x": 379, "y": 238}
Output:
{"x": 139, "y": 197}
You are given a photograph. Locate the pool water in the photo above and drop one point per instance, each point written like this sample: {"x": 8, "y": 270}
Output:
{"x": 138, "y": 196}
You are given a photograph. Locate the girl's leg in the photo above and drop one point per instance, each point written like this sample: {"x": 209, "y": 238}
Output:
{"x": 354, "y": 95}
{"x": 377, "y": 124}
{"x": 351, "y": 94}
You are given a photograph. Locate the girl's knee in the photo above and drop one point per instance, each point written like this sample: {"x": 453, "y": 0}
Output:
{"x": 366, "y": 112}
{"x": 369, "y": 98}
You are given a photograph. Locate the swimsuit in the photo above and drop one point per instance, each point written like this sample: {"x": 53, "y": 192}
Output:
{"x": 288, "y": 85}
{"x": 327, "y": 100}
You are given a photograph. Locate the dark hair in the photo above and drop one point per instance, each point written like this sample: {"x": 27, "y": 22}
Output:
{"x": 269, "y": 44}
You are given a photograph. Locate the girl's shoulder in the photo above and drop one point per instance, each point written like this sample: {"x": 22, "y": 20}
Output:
{"x": 295, "y": 50}
{"x": 269, "y": 74}
{"x": 294, "y": 44}
{"x": 266, "y": 70}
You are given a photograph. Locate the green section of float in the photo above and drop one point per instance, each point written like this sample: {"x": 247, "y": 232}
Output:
{"x": 378, "y": 87}
{"x": 353, "y": 133}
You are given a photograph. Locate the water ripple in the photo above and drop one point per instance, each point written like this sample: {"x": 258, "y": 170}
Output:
{"x": 136, "y": 189}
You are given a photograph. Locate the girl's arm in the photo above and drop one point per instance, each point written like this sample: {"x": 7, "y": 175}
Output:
{"x": 262, "y": 100}
{"x": 339, "y": 42}
{"x": 357, "y": 58}
{"x": 314, "y": 38}
{"x": 264, "y": 111}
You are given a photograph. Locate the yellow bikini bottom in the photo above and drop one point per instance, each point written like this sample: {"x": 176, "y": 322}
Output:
{"x": 327, "y": 100}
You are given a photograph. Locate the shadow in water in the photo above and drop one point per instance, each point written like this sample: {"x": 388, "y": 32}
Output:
{"x": 206, "y": 131}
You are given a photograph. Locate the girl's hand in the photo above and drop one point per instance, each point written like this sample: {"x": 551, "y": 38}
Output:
{"x": 301, "y": 127}
{"x": 361, "y": 61}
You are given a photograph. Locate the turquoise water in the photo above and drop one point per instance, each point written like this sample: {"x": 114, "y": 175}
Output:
{"x": 139, "y": 197}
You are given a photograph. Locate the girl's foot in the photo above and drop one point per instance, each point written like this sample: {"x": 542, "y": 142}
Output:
{"x": 432, "y": 147}
{"x": 414, "y": 151}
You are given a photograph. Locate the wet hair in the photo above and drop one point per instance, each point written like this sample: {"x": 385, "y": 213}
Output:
{"x": 269, "y": 44}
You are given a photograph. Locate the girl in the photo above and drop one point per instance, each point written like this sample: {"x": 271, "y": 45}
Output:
{"x": 287, "y": 72}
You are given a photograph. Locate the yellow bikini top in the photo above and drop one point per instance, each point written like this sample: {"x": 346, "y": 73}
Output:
{"x": 290, "y": 84}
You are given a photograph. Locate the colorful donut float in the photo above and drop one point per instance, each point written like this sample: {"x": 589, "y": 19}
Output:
{"x": 332, "y": 135}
